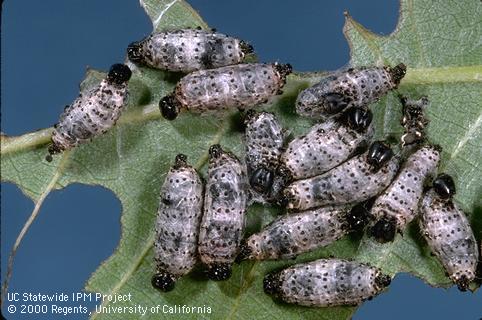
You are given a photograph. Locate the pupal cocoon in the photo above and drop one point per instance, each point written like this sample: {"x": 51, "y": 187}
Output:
{"x": 241, "y": 86}
{"x": 326, "y": 283}
{"x": 92, "y": 113}
{"x": 397, "y": 206}
{"x": 353, "y": 181}
{"x": 177, "y": 224}
{"x": 188, "y": 50}
{"x": 448, "y": 233}
{"x": 355, "y": 87}
{"x": 224, "y": 218}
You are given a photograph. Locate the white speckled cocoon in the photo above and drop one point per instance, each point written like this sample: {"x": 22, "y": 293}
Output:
{"x": 450, "y": 237}
{"x": 351, "y": 182}
{"x": 241, "y": 86}
{"x": 355, "y": 87}
{"x": 264, "y": 141}
{"x": 187, "y": 50}
{"x": 224, "y": 218}
{"x": 293, "y": 234}
{"x": 325, "y": 146}
{"x": 399, "y": 202}
{"x": 178, "y": 220}
{"x": 326, "y": 282}
{"x": 90, "y": 115}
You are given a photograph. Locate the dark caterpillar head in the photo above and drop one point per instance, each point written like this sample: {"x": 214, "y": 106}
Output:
{"x": 283, "y": 69}
{"x": 384, "y": 230}
{"x": 135, "y": 52}
{"x": 249, "y": 115}
{"x": 219, "y": 271}
{"x": 379, "y": 153}
{"x": 357, "y": 218}
{"x": 163, "y": 281}
{"x": 271, "y": 284}
{"x": 119, "y": 74}
{"x": 215, "y": 151}
{"x": 246, "y": 48}
{"x": 382, "y": 280}
{"x": 181, "y": 161}
{"x": 53, "y": 149}
{"x": 244, "y": 252}
{"x": 357, "y": 119}
{"x": 261, "y": 180}
{"x": 397, "y": 73}
{"x": 334, "y": 102}
{"x": 444, "y": 186}
{"x": 169, "y": 107}
{"x": 463, "y": 283}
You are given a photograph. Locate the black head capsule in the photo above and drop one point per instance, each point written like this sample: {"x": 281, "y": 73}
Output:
{"x": 271, "y": 284}
{"x": 283, "y": 200}
{"x": 335, "y": 102}
{"x": 181, "y": 161}
{"x": 246, "y": 48}
{"x": 163, "y": 281}
{"x": 382, "y": 280}
{"x": 444, "y": 186}
{"x": 53, "y": 149}
{"x": 135, "y": 52}
{"x": 261, "y": 180}
{"x": 397, "y": 73}
{"x": 358, "y": 119}
{"x": 169, "y": 107}
{"x": 215, "y": 151}
{"x": 283, "y": 70}
{"x": 384, "y": 230}
{"x": 219, "y": 271}
{"x": 119, "y": 74}
{"x": 357, "y": 218}
{"x": 249, "y": 115}
{"x": 244, "y": 252}
{"x": 463, "y": 283}
{"x": 379, "y": 153}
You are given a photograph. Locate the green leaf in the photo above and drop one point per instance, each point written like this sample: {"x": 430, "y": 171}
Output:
{"x": 438, "y": 41}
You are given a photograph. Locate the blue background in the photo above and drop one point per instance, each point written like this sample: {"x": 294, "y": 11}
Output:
{"x": 46, "y": 47}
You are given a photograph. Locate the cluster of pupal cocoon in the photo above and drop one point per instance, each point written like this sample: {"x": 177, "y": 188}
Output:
{"x": 333, "y": 180}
